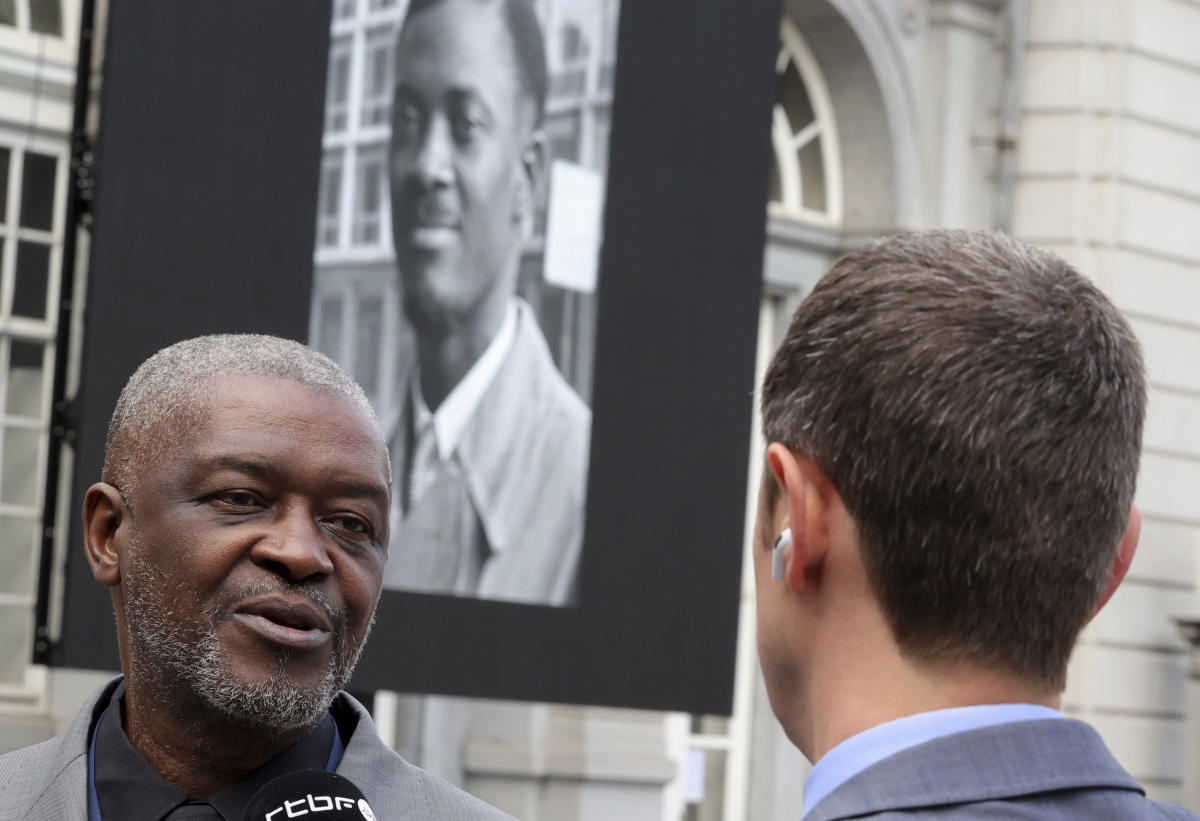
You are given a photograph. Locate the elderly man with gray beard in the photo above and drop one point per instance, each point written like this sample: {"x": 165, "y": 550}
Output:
{"x": 242, "y": 527}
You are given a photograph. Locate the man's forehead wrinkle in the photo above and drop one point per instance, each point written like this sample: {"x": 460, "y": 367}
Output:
{"x": 334, "y": 432}
{"x": 357, "y": 489}
{"x": 262, "y": 465}
{"x": 173, "y": 382}
{"x": 245, "y": 432}
{"x": 336, "y": 408}
{"x": 206, "y": 464}
{"x": 255, "y": 415}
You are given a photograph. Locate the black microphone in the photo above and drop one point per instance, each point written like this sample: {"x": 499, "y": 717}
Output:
{"x": 316, "y": 794}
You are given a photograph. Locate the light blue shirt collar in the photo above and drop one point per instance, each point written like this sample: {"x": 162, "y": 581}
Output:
{"x": 858, "y": 752}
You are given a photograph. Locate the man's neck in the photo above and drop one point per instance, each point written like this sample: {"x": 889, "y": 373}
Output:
{"x": 849, "y": 701}
{"x": 446, "y": 357}
{"x": 198, "y": 754}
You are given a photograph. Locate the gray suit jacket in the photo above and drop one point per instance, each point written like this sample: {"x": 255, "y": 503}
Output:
{"x": 1053, "y": 769}
{"x": 48, "y": 781}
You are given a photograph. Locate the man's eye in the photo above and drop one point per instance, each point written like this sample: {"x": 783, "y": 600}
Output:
{"x": 406, "y": 125}
{"x": 350, "y": 524}
{"x": 238, "y": 498}
{"x": 467, "y": 128}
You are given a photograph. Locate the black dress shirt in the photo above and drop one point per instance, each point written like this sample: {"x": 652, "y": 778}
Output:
{"x": 129, "y": 789}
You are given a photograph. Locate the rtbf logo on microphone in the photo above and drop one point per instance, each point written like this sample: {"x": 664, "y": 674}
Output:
{"x": 317, "y": 804}
{"x": 313, "y": 795}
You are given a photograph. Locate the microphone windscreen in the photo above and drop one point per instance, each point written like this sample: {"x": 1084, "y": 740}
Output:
{"x": 316, "y": 794}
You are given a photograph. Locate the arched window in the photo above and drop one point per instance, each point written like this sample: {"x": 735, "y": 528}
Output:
{"x": 805, "y": 168}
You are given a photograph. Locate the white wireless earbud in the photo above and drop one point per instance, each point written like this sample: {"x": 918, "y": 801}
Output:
{"x": 777, "y": 557}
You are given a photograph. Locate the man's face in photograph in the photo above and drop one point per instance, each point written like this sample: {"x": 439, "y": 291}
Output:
{"x": 461, "y": 126}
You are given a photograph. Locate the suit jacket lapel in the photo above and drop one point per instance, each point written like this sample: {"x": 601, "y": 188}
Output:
{"x": 62, "y": 796}
{"x": 499, "y": 447}
{"x": 1003, "y": 761}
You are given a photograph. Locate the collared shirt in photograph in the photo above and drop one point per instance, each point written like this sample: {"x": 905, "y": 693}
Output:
{"x": 435, "y": 434}
{"x": 454, "y": 414}
{"x": 499, "y": 513}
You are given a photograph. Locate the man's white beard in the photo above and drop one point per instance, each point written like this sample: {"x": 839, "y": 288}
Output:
{"x": 166, "y": 654}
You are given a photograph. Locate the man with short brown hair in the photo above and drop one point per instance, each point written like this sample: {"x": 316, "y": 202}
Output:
{"x": 954, "y": 427}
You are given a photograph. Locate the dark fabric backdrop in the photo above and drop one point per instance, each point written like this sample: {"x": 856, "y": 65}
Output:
{"x": 210, "y": 144}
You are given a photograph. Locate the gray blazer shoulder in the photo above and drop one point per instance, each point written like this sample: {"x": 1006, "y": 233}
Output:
{"x": 48, "y": 781}
{"x": 396, "y": 789}
{"x": 1056, "y": 770}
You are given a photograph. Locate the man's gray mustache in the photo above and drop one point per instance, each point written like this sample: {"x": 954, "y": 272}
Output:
{"x": 265, "y": 587}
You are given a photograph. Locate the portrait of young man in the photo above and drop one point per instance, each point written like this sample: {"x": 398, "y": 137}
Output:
{"x": 241, "y": 526}
{"x": 479, "y": 363}
{"x": 953, "y": 426}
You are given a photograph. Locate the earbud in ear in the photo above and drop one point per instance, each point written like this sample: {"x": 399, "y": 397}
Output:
{"x": 778, "y": 556}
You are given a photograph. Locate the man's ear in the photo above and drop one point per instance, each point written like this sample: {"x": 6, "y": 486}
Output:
{"x": 106, "y": 521}
{"x": 534, "y": 159}
{"x": 806, "y": 498}
{"x": 1124, "y": 558}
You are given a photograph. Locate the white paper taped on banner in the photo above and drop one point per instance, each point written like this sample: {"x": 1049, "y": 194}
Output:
{"x": 573, "y": 226}
{"x": 694, "y": 776}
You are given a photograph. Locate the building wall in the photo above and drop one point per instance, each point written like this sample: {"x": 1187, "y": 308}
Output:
{"x": 1098, "y": 160}
{"x": 37, "y": 77}
{"x": 1109, "y": 177}
{"x": 1106, "y": 171}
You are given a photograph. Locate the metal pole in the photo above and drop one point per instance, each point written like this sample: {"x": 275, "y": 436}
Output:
{"x": 80, "y": 184}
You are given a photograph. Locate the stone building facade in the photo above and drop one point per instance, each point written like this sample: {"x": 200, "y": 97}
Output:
{"x": 1071, "y": 123}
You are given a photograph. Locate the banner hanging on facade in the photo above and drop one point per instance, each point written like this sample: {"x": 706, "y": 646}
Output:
{"x": 538, "y": 230}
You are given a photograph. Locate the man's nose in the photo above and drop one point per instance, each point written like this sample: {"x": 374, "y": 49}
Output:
{"x": 434, "y": 161}
{"x": 295, "y": 548}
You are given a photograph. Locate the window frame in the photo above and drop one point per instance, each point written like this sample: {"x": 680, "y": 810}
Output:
{"x": 20, "y": 39}
{"x": 341, "y": 49}
{"x": 785, "y": 143}
{"x": 361, "y": 219}
{"x": 350, "y": 142}
{"x": 331, "y": 162}
{"x": 42, "y": 332}
{"x": 376, "y": 39}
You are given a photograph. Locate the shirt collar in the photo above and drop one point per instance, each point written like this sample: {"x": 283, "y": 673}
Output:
{"x": 526, "y": 381}
{"x": 128, "y": 788}
{"x": 857, "y": 753}
{"x": 454, "y": 414}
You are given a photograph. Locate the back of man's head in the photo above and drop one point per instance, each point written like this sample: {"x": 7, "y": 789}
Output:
{"x": 978, "y": 406}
